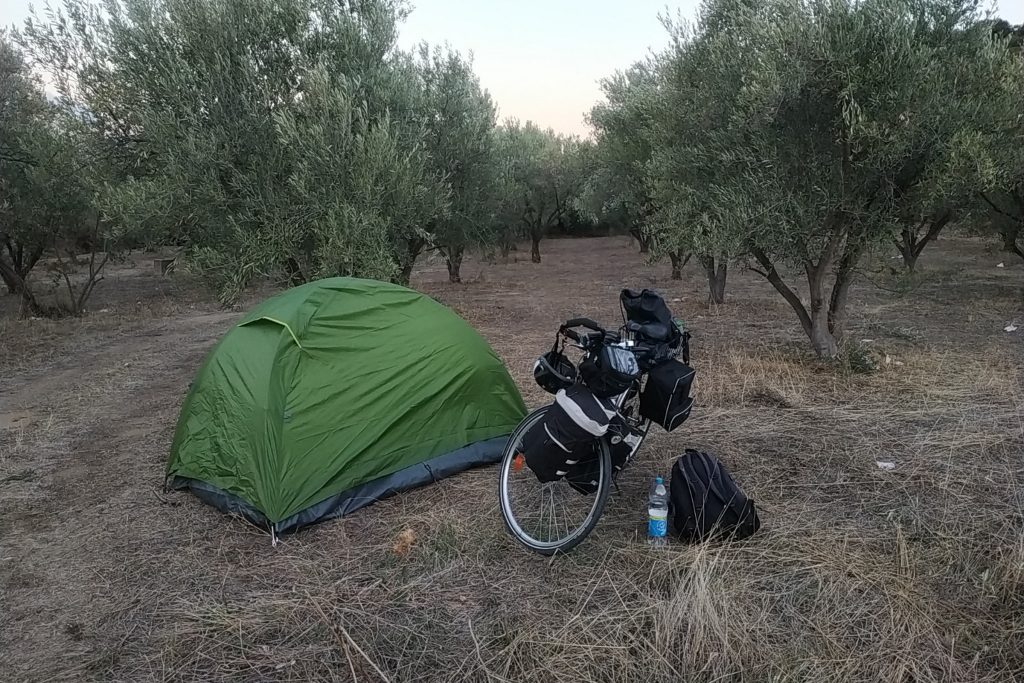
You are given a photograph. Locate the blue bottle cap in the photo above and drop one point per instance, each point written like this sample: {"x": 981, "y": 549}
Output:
{"x": 658, "y": 480}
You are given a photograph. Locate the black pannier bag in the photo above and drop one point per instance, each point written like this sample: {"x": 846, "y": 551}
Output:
{"x": 623, "y": 440}
{"x": 705, "y": 503}
{"x": 611, "y": 372}
{"x": 567, "y": 436}
{"x": 666, "y": 396}
{"x": 585, "y": 476}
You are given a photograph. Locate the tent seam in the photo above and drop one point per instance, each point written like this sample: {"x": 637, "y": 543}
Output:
{"x": 282, "y": 324}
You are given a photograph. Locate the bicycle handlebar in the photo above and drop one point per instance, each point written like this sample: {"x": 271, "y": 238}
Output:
{"x": 566, "y": 328}
{"x": 583, "y": 322}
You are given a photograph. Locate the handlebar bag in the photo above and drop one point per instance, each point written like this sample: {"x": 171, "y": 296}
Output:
{"x": 568, "y": 434}
{"x": 666, "y": 396}
{"x": 609, "y": 372}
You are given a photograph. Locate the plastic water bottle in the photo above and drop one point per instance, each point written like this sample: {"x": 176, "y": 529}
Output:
{"x": 657, "y": 514}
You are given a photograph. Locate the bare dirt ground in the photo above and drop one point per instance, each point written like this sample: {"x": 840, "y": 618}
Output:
{"x": 859, "y": 574}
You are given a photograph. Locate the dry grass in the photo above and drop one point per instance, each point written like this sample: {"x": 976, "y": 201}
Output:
{"x": 859, "y": 574}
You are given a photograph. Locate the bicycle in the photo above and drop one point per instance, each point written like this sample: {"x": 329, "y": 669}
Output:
{"x": 553, "y": 517}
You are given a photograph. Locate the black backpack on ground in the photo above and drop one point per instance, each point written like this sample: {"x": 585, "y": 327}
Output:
{"x": 705, "y": 502}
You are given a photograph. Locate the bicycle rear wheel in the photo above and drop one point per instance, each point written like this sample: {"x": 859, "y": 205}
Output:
{"x": 548, "y": 517}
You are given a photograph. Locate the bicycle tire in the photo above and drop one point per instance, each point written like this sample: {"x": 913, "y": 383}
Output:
{"x": 597, "y": 509}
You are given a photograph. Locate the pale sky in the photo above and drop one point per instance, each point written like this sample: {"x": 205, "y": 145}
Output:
{"x": 541, "y": 59}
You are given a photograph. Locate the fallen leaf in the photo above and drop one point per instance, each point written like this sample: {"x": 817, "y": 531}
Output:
{"x": 404, "y": 542}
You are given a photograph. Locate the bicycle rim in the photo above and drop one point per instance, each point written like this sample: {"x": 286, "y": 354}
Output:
{"x": 538, "y": 515}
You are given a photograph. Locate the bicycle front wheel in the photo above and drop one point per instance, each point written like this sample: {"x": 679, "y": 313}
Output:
{"x": 548, "y": 517}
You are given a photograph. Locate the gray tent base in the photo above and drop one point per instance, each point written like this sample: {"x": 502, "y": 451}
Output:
{"x": 485, "y": 452}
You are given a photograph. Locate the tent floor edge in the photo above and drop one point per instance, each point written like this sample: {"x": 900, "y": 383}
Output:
{"x": 222, "y": 500}
{"x": 486, "y": 452}
{"x": 480, "y": 453}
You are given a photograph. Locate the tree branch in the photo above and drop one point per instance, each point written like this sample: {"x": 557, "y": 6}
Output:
{"x": 772, "y": 275}
{"x": 997, "y": 209}
{"x": 933, "y": 231}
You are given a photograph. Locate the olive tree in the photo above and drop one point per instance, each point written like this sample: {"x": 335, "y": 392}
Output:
{"x": 51, "y": 172}
{"x": 694, "y": 166}
{"x": 544, "y": 174}
{"x": 616, "y": 188}
{"x": 270, "y": 137}
{"x": 1001, "y": 191}
{"x": 462, "y": 149}
{"x": 23, "y": 112}
{"x": 842, "y": 109}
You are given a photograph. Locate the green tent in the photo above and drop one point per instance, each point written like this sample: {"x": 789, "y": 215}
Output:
{"x": 335, "y": 394}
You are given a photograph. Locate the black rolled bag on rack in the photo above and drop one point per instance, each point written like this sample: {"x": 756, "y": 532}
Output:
{"x": 656, "y": 328}
{"x": 563, "y": 444}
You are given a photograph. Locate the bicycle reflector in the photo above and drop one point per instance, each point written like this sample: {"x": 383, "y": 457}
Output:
{"x": 553, "y": 371}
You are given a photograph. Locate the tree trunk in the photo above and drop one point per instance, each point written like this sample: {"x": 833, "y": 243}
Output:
{"x": 29, "y": 304}
{"x": 679, "y": 261}
{"x": 295, "y": 275}
{"x": 1010, "y": 235}
{"x": 837, "y": 305}
{"x": 22, "y": 265}
{"x": 815, "y": 322}
{"x": 413, "y": 248}
{"x": 406, "y": 274}
{"x": 645, "y": 244}
{"x": 535, "y": 238}
{"x": 454, "y": 260}
{"x": 906, "y": 246}
{"x": 9, "y": 273}
{"x": 1012, "y": 229}
{"x": 11, "y": 281}
{"x": 824, "y": 343}
{"x": 912, "y": 243}
{"x": 716, "y": 278}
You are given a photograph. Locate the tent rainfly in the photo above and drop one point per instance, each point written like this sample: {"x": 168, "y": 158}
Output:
{"x": 336, "y": 394}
